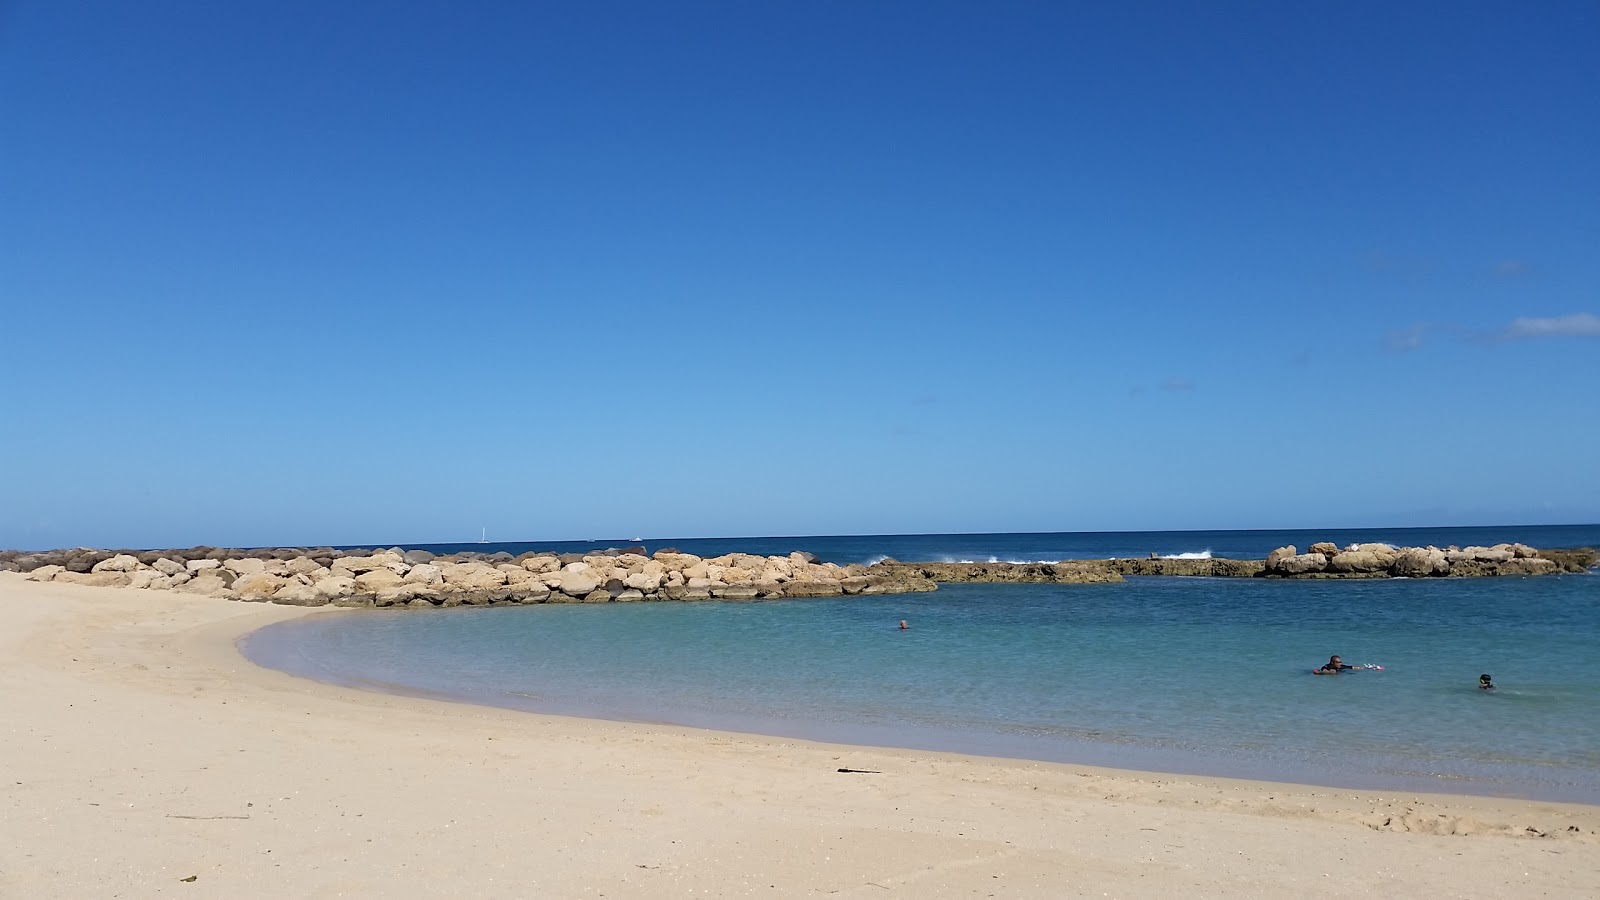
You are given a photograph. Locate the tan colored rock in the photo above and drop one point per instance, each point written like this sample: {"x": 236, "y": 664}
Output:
{"x": 206, "y": 584}
{"x": 697, "y": 569}
{"x": 168, "y": 567}
{"x": 676, "y": 562}
{"x": 539, "y": 565}
{"x": 257, "y": 585}
{"x": 1326, "y": 548}
{"x": 1529, "y": 565}
{"x": 334, "y": 587}
{"x": 516, "y": 576}
{"x": 1275, "y": 558}
{"x": 374, "y": 580}
{"x": 297, "y": 594}
{"x": 1419, "y": 562}
{"x": 798, "y": 588}
{"x": 643, "y": 581}
{"x": 246, "y": 566}
{"x": 384, "y": 559}
{"x": 629, "y": 596}
{"x": 304, "y": 565}
{"x": 1302, "y": 564}
{"x": 578, "y": 583}
{"x": 122, "y": 562}
{"x": 426, "y": 573}
{"x": 200, "y": 565}
{"x": 854, "y": 584}
{"x": 45, "y": 573}
{"x": 94, "y": 579}
{"x": 472, "y": 576}
{"x": 736, "y": 575}
{"x": 1356, "y": 561}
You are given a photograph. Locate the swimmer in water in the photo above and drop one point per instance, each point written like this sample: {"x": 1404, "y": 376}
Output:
{"x": 904, "y": 626}
{"x": 1334, "y": 666}
{"x": 1485, "y": 682}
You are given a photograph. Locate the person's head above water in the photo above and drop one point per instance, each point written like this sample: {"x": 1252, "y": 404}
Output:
{"x": 1485, "y": 682}
{"x": 1335, "y": 661}
{"x": 903, "y": 625}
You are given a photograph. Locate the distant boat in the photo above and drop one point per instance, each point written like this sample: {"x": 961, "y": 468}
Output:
{"x": 636, "y": 540}
{"x": 483, "y": 536}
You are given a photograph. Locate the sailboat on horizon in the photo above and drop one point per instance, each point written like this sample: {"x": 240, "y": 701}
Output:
{"x": 483, "y": 536}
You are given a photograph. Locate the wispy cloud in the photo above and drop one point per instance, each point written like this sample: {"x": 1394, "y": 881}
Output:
{"x": 1525, "y": 328}
{"x": 1575, "y": 325}
{"x": 1177, "y": 384}
{"x": 1405, "y": 339}
{"x": 1511, "y": 268}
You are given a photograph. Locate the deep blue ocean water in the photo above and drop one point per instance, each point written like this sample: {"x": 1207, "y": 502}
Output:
{"x": 1191, "y": 675}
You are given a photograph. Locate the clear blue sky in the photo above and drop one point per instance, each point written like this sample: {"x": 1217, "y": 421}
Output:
{"x": 305, "y": 272}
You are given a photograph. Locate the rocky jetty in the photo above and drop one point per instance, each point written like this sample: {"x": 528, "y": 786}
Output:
{"x": 1069, "y": 572}
{"x": 418, "y": 579}
{"x": 1328, "y": 560}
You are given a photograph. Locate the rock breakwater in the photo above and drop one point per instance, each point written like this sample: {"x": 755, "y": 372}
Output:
{"x": 419, "y": 579}
{"x": 1328, "y": 560}
{"x": 1068, "y": 572}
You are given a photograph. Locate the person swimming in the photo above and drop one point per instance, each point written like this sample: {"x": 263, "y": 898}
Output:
{"x": 1335, "y": 665}
{"x": 904, "y": 626}
{"x": 1485, "y": 682}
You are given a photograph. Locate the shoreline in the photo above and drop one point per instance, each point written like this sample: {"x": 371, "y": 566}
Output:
{"x": 146, "y": 749}
{"x": 1130, "y": 759}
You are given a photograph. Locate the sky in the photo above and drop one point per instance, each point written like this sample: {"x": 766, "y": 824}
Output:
{"x": 308, "y": 273}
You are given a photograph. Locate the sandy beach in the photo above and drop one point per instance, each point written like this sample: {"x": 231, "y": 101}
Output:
{"x": 142, "y": 756}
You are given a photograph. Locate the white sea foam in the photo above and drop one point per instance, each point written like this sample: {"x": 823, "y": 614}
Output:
{"x": 1201, "y": 554}
{"x": 874, "y": 560}
{"x": 996, "y": 559}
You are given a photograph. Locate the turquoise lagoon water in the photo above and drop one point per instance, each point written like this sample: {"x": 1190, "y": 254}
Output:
{"x": 1188, "y": 675}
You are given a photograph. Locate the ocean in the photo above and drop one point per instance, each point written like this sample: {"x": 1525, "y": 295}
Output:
{"x": 1185, "y": 675}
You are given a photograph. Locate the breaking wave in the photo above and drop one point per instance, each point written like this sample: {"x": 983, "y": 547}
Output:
{"x": 1202, "y": 554}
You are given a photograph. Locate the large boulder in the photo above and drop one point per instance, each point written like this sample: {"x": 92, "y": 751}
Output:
{"x": 1275, "y": 558}
{"x": 257, "y": 586}
{"x": 122, "y": 562}
{"x": 45, "y": 573}
{"x": 1358, "y": 562}
{"x": 296, "y": 593}
{"x": 374, "y": 580}
{"x": 245, "y": 566}
{"x": 425, "y": 573}
{"x": 383, "y": 559}
{"x": 196, "y": 566}
{"x": 471, "y": 576}
{"x": 1302, "y": 564}
{"x": 168, "y": 567}
{"x": 1326, "y": 548}
{"x": 578, "y": 582}
{"x": 540, "y": 565}
{"x": 643, "y": 581}
{"x": 1419, "y": 562}
{"x": 812, "y": 589}
{"x": 206, "y": 583}
{"x": 335, "y": 587}
{"x": 1529, "y": 565}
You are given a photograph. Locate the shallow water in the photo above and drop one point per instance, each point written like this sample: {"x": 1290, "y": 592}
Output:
{"x": 1201, "y": 676}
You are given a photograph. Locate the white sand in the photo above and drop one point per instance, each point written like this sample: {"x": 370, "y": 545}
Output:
{"x": 137, "y": 749}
